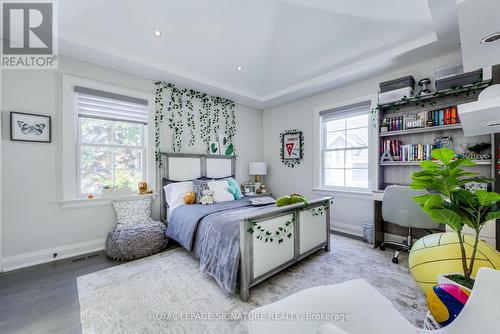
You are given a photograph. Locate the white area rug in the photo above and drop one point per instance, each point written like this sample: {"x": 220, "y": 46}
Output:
{"x": 152, "y": 294}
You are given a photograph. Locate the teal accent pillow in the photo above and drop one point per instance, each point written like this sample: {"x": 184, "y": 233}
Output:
{"x": 234, "y": 188}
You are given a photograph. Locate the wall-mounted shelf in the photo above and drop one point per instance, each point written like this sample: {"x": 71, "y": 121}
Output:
{"x": 420, "y": 130}
{"x": 450, "y": 92}
{"x": 416, "y": 163}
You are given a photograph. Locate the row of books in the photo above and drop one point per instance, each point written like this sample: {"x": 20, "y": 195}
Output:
{"x": 408, "y": 152}
{"x": 446, "y": 116}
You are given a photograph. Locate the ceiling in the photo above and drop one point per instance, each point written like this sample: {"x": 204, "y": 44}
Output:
{"x": 288, "y": 49}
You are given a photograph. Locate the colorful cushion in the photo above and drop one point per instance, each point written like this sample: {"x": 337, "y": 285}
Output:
{"x": 234, "y": 188}
{"x": 133, "y": 212}
{"x": 446, "y": 301}
{"x": 198, "y": 187}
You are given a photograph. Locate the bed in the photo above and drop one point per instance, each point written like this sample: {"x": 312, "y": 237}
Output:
{"x": 240, "y": 245}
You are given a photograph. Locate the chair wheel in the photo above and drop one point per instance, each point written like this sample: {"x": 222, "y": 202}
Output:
{"x": 395, "y": 260}
{"x": 382, "y": 247}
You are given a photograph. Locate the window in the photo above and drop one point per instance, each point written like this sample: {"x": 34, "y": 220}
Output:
{"x": 344, "y": 147}
{"x": 112, "y": 141}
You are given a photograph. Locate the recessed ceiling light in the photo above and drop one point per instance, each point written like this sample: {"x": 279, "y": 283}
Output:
{"x": 157, "y": 33}
{"x": 239, "y": 68}
{"x": 491, "y": 38}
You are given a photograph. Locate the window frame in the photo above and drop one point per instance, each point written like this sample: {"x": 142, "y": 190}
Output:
{"x": 79, "y": 144}
{"x": 68, "y": 160}
{"x": 373, "y": 129}
{"x": 323, "y": 138}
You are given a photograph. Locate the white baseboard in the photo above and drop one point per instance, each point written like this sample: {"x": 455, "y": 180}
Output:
{"x": 347, "y": 228}
{"x": 46, "y": 255}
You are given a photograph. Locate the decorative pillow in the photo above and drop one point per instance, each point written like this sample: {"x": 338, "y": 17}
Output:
{"x": 133, "y": 212}
{"x": 198, "y": 187}
{"x": 174, "y": 193}
{"x": 221, "y": 191}
{"x": 234, "y": 188}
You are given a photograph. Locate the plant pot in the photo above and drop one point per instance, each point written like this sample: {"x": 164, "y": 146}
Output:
{"x": 114, "y": 193}
{"x": 443, "y": 279}
{"x": 384, "y": 129}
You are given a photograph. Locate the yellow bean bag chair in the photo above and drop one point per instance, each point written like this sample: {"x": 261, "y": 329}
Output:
{"x": 440, "y": 254}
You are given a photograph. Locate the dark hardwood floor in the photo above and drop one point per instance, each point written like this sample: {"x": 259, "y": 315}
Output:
{"x": 44, "y": 298}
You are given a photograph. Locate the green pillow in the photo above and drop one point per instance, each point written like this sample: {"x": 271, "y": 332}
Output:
{"x": 234, "y": 188}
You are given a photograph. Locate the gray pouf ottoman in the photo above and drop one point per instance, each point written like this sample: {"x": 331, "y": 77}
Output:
{"x": 130, "y": 242}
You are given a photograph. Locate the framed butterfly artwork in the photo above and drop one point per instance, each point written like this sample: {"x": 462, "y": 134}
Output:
{"x": 30, "y": 127}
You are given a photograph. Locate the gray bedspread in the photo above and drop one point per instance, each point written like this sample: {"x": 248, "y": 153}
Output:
{"x": 212, "y": 233}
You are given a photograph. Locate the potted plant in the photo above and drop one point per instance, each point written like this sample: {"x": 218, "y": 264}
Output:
{"x": 449, "y": 203}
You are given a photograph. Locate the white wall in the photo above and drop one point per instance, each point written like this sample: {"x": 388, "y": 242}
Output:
{"x": 34, "y": 224}
{"x": 350, "y": 210}
{"x": 1, "y": 203}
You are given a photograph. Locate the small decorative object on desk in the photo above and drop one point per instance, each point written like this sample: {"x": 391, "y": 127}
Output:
{"x": 476, "y": 152}
{"x": 443, "y": 142}
{"x": 424, "y": 84}
{"x": 249, "y": 188}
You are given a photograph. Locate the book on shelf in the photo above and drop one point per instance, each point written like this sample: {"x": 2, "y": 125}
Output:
{"x": 439, "y": 117}
{"x": 406, "y": 152}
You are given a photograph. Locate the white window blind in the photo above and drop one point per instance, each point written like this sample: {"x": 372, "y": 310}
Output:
{"x": 93, "y": 103}
{"x": 111, "y": 142}
{"x": 344, "y": 146}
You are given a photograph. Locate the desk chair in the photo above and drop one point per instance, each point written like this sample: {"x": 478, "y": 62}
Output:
{"x": 399, "y": 208}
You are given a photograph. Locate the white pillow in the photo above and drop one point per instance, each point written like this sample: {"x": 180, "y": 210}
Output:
{"x": 174, "y": 193}
{"x": 221, "y": 190}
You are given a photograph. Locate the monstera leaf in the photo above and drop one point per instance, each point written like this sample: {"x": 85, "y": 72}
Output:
{"x": 229, "y": 150}
{"x": 213, "y": 148}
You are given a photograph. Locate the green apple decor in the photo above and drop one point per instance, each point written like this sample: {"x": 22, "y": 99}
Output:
{"x": 449, "y": 203}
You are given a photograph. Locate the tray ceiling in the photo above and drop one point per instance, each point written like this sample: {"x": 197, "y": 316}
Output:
{"x": 287, "y": 49}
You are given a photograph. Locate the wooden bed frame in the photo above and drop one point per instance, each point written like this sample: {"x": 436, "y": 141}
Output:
{"x": 309, "y": 232}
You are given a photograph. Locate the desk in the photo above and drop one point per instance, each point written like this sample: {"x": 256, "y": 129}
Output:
{"x": 380, "y": 227}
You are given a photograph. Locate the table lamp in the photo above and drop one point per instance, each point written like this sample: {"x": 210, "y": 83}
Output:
{"x": 257, "y": 169}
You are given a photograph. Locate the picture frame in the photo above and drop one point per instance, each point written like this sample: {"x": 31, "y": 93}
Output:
{"x": 226, "y": 146}
{"x": 214, "y": 147}
{"x": 27, "y": 127}
{"x": 292, "y": 147}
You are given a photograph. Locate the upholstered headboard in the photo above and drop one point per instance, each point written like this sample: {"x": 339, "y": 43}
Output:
{"x": 178, "y": 167}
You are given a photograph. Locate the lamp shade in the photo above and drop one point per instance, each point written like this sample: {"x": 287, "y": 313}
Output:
{"x": 257, "y": 168}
